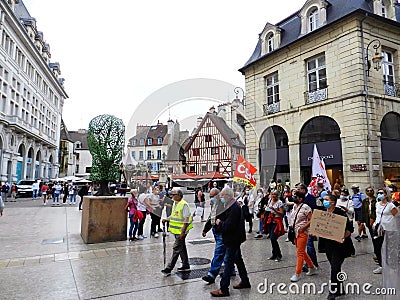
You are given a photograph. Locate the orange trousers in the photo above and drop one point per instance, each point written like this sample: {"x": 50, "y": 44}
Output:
{"x": 301, "y": 243}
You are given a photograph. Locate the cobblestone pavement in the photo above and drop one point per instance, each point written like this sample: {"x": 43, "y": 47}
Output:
{"x": 42, "y": 256}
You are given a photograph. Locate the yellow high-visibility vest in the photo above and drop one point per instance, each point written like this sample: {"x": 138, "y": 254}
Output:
{"x": 176, "y": 218}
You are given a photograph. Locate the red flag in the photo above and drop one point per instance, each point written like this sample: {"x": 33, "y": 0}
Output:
{"x": 244, "y": 172}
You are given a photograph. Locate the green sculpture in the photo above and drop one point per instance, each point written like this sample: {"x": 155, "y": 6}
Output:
{"x": 106, "y": 139}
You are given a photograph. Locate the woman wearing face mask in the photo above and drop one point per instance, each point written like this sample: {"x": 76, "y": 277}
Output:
{"x": 300, "y": 221}
{"x": 336, "y": 252}
{"x": 275, "y": 224}
{"x": 385, "y": 212}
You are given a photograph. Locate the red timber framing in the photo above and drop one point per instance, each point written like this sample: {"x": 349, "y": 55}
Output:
{"x": 211, "y": 148}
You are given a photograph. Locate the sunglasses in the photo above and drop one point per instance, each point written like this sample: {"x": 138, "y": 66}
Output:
{"x": 370, "y": 190}
{"x": 174, "y": 194}
{"x": 379, "y": 193}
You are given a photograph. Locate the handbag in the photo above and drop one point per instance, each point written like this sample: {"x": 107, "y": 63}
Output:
{"x": 378, "y": 228}
{"x": 291, "y": 233}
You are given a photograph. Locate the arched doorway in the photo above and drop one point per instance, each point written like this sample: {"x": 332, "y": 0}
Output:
{"x": 390, "y": 145}
{"x": 325, "y": 133}
{"x": 20, "y": 170}
{"x": 274, "y": 155}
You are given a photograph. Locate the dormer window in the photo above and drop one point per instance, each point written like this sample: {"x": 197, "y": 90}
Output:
{"x": 313, "y": 19}
{"x": 149, "y": 141}
{"x": 270, "y": 38}
{"x": 385, "y": 8}
{"x": 313, "y": 15}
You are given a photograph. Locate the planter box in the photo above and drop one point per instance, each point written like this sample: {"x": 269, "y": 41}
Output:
{"x": 104, "y": 219}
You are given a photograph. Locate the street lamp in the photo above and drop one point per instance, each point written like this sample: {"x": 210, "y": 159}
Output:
{"x": 238, "y": 90}
{"x": 377, "y": 59}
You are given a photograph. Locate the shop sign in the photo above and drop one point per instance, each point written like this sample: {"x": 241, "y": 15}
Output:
{"x": 358, "y": 168}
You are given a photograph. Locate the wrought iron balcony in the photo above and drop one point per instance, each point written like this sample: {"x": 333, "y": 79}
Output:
{"x": 317, "y": 96}
{"x": 271, "y": 108}
{"x": 391, "y": 89}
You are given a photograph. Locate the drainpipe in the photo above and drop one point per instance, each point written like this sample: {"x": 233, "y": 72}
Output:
{"x": 366, "y": 93}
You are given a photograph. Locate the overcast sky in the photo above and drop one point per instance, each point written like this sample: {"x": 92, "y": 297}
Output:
{"x": 115, "y": 54}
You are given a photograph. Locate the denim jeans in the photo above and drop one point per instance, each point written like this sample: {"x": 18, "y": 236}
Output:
{"x": 311, "y": 250}
{"x": 133, "y": 226}
{"x": 233, "y": 256}
{"x": 219, "y": 254}
{"x": 72, "y": 197}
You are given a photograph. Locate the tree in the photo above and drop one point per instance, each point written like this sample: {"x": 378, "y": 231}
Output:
{"x": 106, "y": 139}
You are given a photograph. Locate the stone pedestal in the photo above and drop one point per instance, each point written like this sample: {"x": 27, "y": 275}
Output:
{"x": 104, "y": 219}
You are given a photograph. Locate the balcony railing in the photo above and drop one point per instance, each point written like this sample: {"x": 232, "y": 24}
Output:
{"x": 317, "y": 96}
{"x": 271, "y": 108}
{"x": 391, "y": 89}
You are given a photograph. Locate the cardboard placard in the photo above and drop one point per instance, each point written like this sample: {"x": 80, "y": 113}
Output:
{"x": 328, "y": 225}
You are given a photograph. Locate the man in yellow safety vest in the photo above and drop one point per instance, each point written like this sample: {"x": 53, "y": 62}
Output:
{"x": 180, "y": 222}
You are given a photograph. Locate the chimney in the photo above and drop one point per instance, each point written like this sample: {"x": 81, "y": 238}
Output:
{"x": 212, "y": 110}
{"x": 199, "y": 120}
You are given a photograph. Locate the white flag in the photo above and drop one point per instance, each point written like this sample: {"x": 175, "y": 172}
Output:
{"x": 319, "y": 171}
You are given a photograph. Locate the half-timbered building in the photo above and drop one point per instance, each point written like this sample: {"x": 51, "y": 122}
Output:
{"x": 214, "y": 147}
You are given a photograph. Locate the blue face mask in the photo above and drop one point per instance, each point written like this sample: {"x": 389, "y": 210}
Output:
{"x": 342, "y": 197}
{"x": 213, "y": 200}
{"x": 380, "y": 197}
{"x": 222, "y": 200}
{"x": 327, "y": 204}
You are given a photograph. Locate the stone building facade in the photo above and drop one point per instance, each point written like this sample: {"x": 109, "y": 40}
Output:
{"x": 308, "y": 82}
{"x": 31, "y": 98}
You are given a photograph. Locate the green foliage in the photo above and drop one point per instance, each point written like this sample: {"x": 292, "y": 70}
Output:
{"x": 106, "y": 139}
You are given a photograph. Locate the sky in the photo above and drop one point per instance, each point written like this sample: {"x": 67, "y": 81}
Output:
{"x": 115, "y": 55}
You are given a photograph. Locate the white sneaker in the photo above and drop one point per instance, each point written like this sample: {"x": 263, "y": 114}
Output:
{"x": 45, "y": 203}
{"x": 156, "y": 235}
{"x": 295, "y": 278}
{"x": 140, "y": 237}
{"x": 287, "y": 240}
{"x": 377, "y": 270}
{"x": 312, "y": 271}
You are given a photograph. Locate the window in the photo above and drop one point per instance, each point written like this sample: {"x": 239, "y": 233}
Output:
{"x": 149, "y": 141}
{"x": 149, "y": 154}
{"x": 196, "y": 152}
{"x": 214, "y": 150}
{"x": 204, "y": 168}
{"x": 133, "y": 154}
{"x": 141, "y": 142}
{"x": 134, "y": 142}
{"x": 272, "y": 89}
{"x": 384, "y": 10}
{"x": 159, "y": 141}
{"x": 207, "y": 138}
{"x": 141, "y": 155}
{"x": 158, "y": 154}
{"x": 313, "y": 19}
{"x": 316, "y": 74}
{"x": 270, "y": 43}
{"x": 388, "y": 74}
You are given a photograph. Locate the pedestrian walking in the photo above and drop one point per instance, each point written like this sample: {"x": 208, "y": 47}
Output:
{"x": 199, "y": 202}
{"x": 83, "y": 191}
{"x": 233, "y": 235}
{"x": 300, "y": 220}
{"x": 180, "y": 224}
{"x": 45, "y": 192}
{"x": 336, "y": 252}
{"x": 2, "y": 205}
{"x": 4, "y": 191}
{"x": 275, "y": 226}
{"x": 217, "y": 210}
{"x": 14, "y": 190}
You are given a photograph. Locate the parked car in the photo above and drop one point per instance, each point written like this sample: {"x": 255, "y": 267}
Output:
{"x": 24, "y": 188}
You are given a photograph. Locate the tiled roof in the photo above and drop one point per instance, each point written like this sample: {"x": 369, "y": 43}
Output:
{"x": 64, "y": 134}
{"x": 80, "y": 136}
{"x": 290, "y": 26}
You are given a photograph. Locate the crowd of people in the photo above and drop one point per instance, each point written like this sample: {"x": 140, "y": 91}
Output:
{"x": 371, "y": 216}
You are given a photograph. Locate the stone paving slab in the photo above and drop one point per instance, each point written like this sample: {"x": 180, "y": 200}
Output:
{"x": 131, "y": 270}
